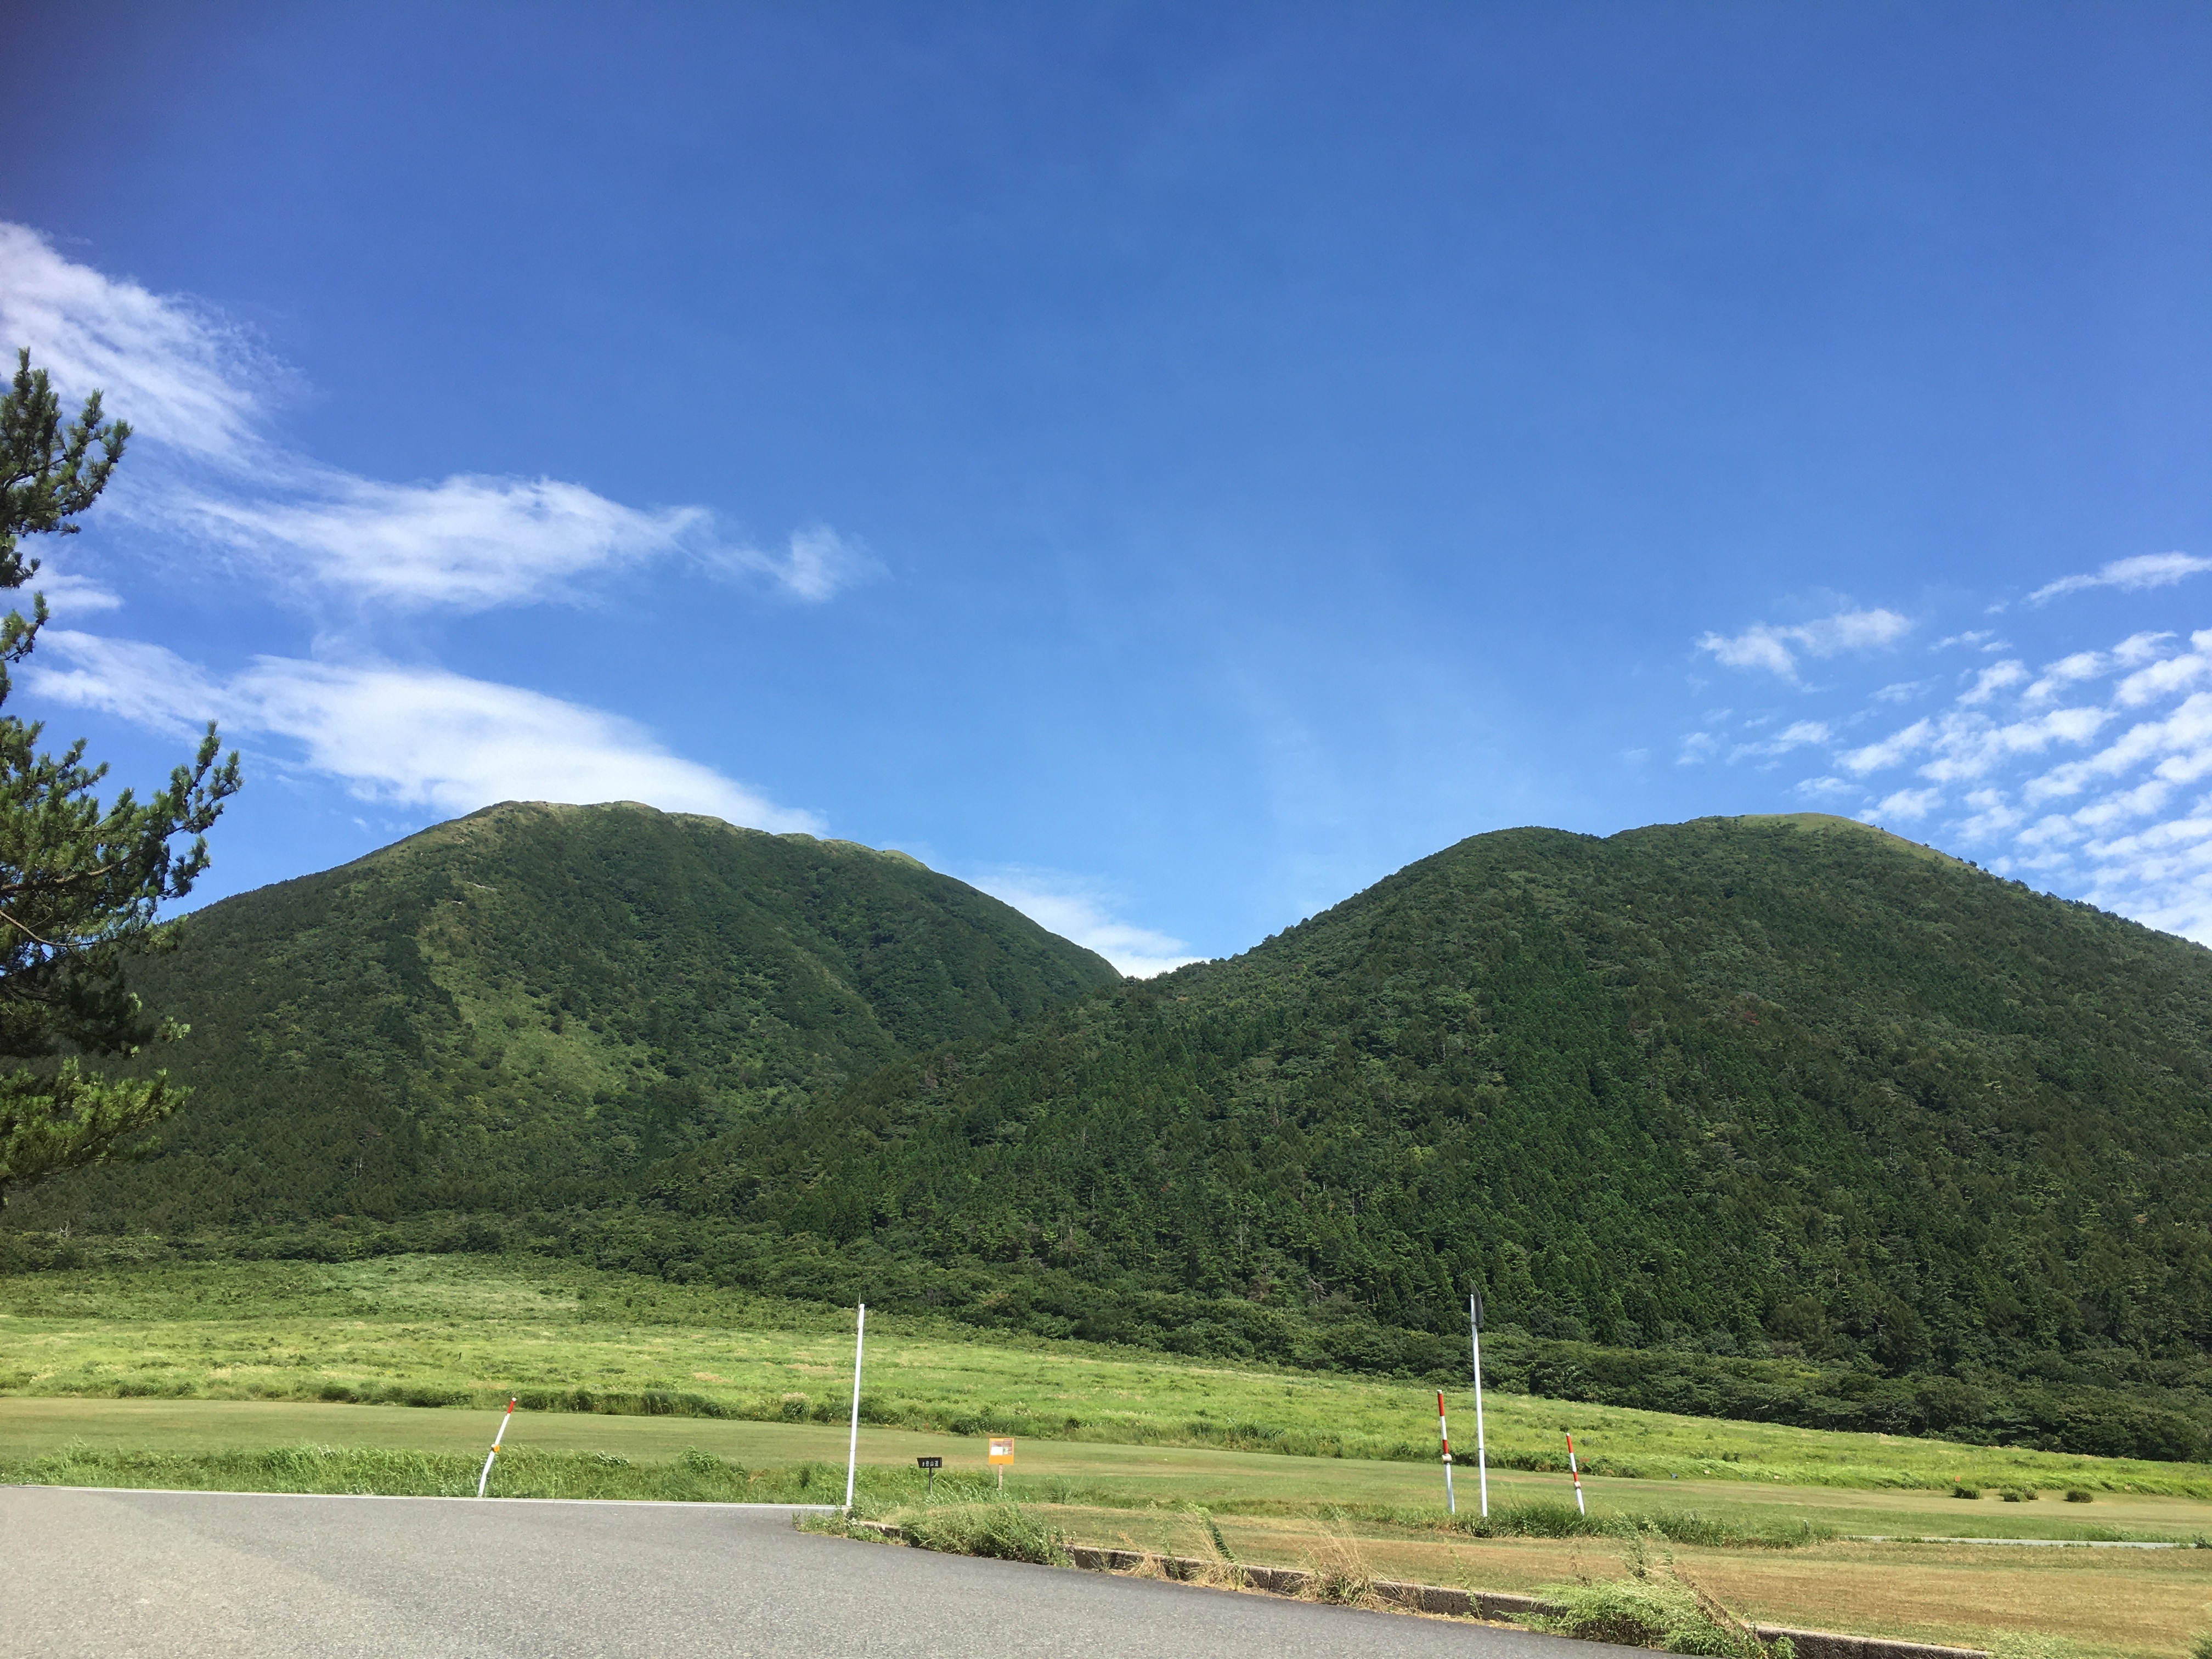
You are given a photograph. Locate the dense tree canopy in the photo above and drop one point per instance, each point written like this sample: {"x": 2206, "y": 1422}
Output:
{"x": 534, "y": 1005}
{"x": 1789, "y": 1088}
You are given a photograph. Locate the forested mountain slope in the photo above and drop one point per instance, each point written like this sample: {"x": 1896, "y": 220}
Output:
{"x": 523, "y": 1008}
{"x": 1781, "y": 1086}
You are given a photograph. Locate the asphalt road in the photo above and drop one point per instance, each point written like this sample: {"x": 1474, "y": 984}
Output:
{"x": 149, "y": 1575}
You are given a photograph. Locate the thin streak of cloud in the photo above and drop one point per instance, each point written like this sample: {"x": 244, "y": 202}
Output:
{"x": 463, "y": 544}
{"x": 2144, "y": 570}
{"x": 197, "y": 391}
{"x": 402, "y": 736}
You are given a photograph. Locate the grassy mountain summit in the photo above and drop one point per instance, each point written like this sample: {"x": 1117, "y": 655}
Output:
{"x": 522, "y": 1008}
{"x": 1785, "y": 1086}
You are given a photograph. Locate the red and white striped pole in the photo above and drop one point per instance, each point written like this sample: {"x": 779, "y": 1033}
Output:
{"x": 494, "y": 1452}
{"x": 1575, "y": 1471}
{"x": 1443, "y": 1438}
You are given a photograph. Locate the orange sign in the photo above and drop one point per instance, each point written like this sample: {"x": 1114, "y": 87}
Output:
{"x": 1002, "y": 1451}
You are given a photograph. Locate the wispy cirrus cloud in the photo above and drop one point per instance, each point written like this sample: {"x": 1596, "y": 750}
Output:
{"x": 463, "y": 544}
{"x": 198, "y": 391}
{"x": 209, "y": 469}
{"x": 177, "y": 372}
{"x": 817, "y": 564}
{"x": 399, "y": 735}
{"x": 1776, "y": 647}
{"x": 2144, "y": 570}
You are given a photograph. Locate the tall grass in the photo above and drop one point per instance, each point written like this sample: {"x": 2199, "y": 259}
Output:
{"x": 1004, "y": 1532}
{"x": 1655, "y": 1611}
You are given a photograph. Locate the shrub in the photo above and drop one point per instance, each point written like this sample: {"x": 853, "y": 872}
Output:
{"x": 1965, "y": 1492}
{"x": 2077, "y": 1495}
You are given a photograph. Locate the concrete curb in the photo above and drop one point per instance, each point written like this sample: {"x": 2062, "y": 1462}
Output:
{"x": 1451, "y": 1603}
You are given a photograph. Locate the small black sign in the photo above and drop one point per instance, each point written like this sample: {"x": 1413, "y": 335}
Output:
{"x": 929, "y": 1462}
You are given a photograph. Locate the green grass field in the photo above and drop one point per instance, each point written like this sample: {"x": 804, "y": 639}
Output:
{"x": 249, "y": 1376}
{"x": 469, "y": 1330}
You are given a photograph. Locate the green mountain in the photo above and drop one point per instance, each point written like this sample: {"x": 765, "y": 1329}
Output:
{"x": 523, "y": 1009}
{"x": 1781, "y": 1087}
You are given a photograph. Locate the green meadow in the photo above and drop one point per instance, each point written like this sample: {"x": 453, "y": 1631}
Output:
{"x": 468, "y": 1331}
{"x": 389, "y": 1377}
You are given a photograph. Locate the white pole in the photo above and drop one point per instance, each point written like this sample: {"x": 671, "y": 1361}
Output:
{"x": 853, "y": 1447}
{"x": 494, "y": 1452}
{"x": 1481, "y": 1452}
{"x": 1575, "y": 1469}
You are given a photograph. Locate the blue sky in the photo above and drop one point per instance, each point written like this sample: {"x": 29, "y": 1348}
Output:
{"x": 1171, "y": 465}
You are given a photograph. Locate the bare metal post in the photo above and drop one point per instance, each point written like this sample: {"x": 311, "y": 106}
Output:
{"x": 1481, "y": 1452}
{"x": 492, "y": 1455}
{"x": 853, "y": 1447}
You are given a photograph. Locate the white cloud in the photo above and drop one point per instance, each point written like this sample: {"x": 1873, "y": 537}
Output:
{"x": 2130, "y": 576}
{"x": 1697, "y": 748}
{"x": 1993, "y": 815}
{"x": 1904, "y": 806}
{"x": 1078, "y": 909}
{"x": 67, "y": 593}
{"x": 2166, "y": 679}
{"x": 2106, "y": 825}
{"x": 1775, "y": 649}
{"x": 1795, "y": 736}
{"x": 2067, "y": 671}
{"x": 1903, "y": 691}
{"x": 463, "y": 544}
{"x": 2180, "y": 746}
{"x": 1998, "y": 676}
{"x": 1825, "y": 788}
{"x": 1890, "y": 750}
{"x": 818, "y": 563}
{"x": 413, "y": 737}
{"x": 196, "y": 389}
{"x": 1981, "y": 639}
{"x": 1969, "y": 746}
{"x": 175, "y": 372}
